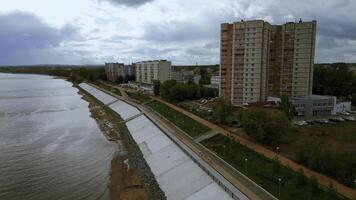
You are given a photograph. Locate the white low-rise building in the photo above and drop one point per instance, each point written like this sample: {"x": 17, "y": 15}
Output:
{"x": 148, "y": 71}
{"x": 341, "y": 107}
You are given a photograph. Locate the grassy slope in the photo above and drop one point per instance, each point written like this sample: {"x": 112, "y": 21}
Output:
{"x": 266, "y": 172}
{"x": 191, "y": 127}
{"x": 139, "y": 97}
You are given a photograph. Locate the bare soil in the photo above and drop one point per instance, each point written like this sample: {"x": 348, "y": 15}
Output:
{"x": 125, "y": 182}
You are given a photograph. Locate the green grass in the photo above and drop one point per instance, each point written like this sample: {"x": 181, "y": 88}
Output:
{"x": 138, "y": 96}
{"x": 188, "y": 125}
{"x": 265, "y": 172}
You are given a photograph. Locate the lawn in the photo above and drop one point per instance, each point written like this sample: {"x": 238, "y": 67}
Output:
{"x": 265, "y": 172}
{"x": 139, "y": 97}
{"x": 340, "y": 137}
{"x": 329, "y": 149}
{"x": 188, "y": 125}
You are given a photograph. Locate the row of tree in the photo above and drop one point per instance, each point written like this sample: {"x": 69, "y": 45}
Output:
{"x": 176, "y": 92}
{"x": 335, "y": 79}
{"x": 125, "y": 79}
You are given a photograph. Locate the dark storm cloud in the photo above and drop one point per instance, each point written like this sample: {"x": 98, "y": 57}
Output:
{"x": 131, "y": 3}
{"x": 177, "y": 31}
{"x": 336, "y": 23}
{"x": 26, "y": 38}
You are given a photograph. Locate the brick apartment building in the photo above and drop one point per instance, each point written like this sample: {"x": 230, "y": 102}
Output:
{"x": 258, "y": 60}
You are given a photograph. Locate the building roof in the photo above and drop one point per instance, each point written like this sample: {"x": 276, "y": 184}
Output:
{"x": 312, "y": 97}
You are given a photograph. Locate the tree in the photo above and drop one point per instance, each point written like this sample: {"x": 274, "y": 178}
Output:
{"x": 287, "y": 107}
{"x": 156, "y": 87}
{"x": 165, "y": 88}
{"x": 119, "y": 80}
{"x": 205, "y": 78}
{"x": 336, "y": 79}
{"x": 265, "y": 126}
{"x": 353, "y": 99}
{"x": 223, "y": 111}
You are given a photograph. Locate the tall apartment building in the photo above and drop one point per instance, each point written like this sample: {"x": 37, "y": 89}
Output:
{"x": 258, "y": 59}
{"x": 292, "y": 59}
{"x": 147, "y": 71}
{"x": 113, "y": 70}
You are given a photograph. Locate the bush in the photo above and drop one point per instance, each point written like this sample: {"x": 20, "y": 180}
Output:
{"x": 265, "y": 126}
{"x": 341, "y": 166}
{"x": 223, "y": 111}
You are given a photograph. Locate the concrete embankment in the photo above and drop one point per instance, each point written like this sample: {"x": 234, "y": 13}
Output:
{"x": 177, "y": 174}
{"x": 130, "y": 175}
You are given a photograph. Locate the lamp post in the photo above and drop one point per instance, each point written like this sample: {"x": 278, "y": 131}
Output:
{"x": 279, "y": 187}
{"x": 246, "y": 165}
{"x": 277, "y": 151}
{"x": 224, "y": 147}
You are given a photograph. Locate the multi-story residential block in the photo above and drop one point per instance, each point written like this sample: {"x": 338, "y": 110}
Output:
{"x": 292, "y": 59}
{"x": 258, "y": 59}
{"x": 148, "y": 71}
{"x": 113, "y": 70}
{"x": 226, "y": 44}
{"x": 182, "y": 76}
{"x": 129, "y": 70}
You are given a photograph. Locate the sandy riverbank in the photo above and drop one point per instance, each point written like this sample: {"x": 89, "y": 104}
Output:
{"x": 130, "y": 177}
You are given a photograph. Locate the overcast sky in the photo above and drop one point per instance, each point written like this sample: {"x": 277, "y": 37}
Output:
{"x": 183, "y": 31}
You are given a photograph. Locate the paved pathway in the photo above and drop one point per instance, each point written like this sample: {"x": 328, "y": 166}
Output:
{"x": 206, "y": 136}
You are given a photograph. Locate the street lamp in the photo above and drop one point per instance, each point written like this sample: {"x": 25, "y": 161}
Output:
{"x": 246, "y": 165}
{"x": 224, "y": 146}
{"x": 279, "y": 187}
{"x": 277, "y": 151}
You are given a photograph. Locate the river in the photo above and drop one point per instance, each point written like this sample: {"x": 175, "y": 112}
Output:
{"x": 50, "y": 147}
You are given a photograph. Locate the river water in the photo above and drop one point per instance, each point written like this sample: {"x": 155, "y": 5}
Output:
{"x": 50, "y": 147}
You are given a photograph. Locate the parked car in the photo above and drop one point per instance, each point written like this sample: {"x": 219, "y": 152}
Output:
{"x": 345, "y": 113}
{"x": 349, "y": 119}
{"x": 311, "y": 122}
{"x": 322, "y": 121}
{"x": 300, "y": 123}
{"x": 337, "y": 119}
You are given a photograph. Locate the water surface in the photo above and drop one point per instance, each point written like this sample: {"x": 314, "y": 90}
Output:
{"x": 50, "y": 147}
